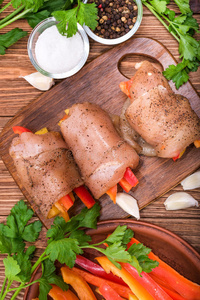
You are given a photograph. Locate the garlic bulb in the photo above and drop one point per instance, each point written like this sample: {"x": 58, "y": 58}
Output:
{"x": 180, "y": 200}
{"x": 39, "y": 81}
{"x": 128, "y": 204}
{"x": 191, "y": 182}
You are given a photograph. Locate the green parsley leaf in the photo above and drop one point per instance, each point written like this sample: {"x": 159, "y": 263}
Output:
{"x": 34, "y": 19}
{"x": 49, "y": 277}
{"x": 117, "y": 235}
{"x": 81, "y": 236}
{"x": 22, "y": 215}
{"x": 183, "y": 5}
{"x": 12, "y": 269}
{"x": 23, "y": 260}
{"x": 117, "y": 253}
{"x": 87, "y": 14}
{"x": 188, "y": 47}
{"x": 31, "y": 231}
{"x": 177, "y": 74}
{"x": 88, "y": 217}
{"x": 160, "y": 6}
{"x": 64, "y": 251}
{"x": 67, "y": 21}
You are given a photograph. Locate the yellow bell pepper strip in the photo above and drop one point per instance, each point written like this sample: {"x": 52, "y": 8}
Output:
{"x": 62, "y": 212}
{"x": 178, "y": 156}
{"x": 125, "y": 87}
{"x": 85, "y": 196}
{"x": 175, "y": 281}
{"x": 112, "y": 193}
{"x": 96, "y": 269}
{"x": 108, "y": 292}
{"x": 42, "y": 131}
{"x": 147, "y": 282}
{"x": 58, "y": 294}
{"x": 67, "y": 201}
{"x": 53, "y": 212}
{"x": 78, "y": 283}
{"x": 197, "y": 143}
{"x": 122, "y": 290}
{"x": 130, "y": 177}
{"x": 19, "y": 129}
{"x": 137, "y": 289}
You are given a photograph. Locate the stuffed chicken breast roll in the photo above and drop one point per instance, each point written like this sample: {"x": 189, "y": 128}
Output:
{"x": 101, "y": 154}
{"x": 46, "y": 169}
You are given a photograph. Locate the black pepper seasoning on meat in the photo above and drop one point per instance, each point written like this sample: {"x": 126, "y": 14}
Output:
{"x": 115, "y": 17}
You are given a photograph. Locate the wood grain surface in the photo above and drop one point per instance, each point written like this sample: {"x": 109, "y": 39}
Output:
{"x": 16, "y": 93}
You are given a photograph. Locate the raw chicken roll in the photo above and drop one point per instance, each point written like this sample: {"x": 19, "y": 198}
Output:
{"x": 163, "y": 119}
{"x": 45, "y": 167}
{"x": 101, "y": 154}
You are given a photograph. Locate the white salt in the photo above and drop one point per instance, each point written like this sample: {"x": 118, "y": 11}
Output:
{"x": 56, "y": 53}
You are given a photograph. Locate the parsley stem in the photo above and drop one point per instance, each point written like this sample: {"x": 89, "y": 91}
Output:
{"x": 7, "y": 289}
{"x": 160, "y": 19}
{"x": 19, "y": 16}
{"x": 5, "y": 6}
{"x": 18, "y": 289}
{"x": 3, "y": 287}
{"x": 40, "y": 259}
{"x": 10, "y": 16}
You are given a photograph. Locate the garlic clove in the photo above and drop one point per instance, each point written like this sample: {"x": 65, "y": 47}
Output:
{"x": 191, "y": 182}
{"x": 39, "y": 81}
{"x": 180, "y": 200}
{"x": 128, "y": 204}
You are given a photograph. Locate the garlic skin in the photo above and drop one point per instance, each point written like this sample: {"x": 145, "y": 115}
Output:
{"x": 180, "y": 200}
{"x": 128, "y": 204}
{"x": 191, "y": 182}
{"x": 39, "y": 81}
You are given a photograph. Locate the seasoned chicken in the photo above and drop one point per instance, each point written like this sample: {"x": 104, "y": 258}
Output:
{"x": 45, "y": 167}
{"x": 163, "y": 119}
{"x": 101, "y": 154}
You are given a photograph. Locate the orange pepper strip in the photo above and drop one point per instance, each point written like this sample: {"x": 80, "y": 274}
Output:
{"x": 125, "y": 185}
{"x": 67, "y": 201}
{"x": 108, "y": 292}
{"x": 138, "y": 290}
{"x": 78, "y": 283}
{"x": 197, "y": 143}
{"x": 58, "y": 294}
{"x": 183, "y": 286}
{"x": 148, "y": 283}
{"x": 112, "y": 193}
{"x": 132, "y": 297}
{"x": 19, "y": 129}
{"x": 130, "y": 177}
{"x": 178, "y": 156}
{"x": 123, "y": 291}
{"x": 63, "y": 213}
{"x": 125, "y": 87}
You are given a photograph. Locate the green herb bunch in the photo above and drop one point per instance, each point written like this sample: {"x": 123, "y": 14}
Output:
{"x": 64, "y": 242}
{"x": 67, "y": 12}
{"x": 182, "y": 27}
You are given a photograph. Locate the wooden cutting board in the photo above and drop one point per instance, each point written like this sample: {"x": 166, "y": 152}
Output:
{"x": 98, "y": 82}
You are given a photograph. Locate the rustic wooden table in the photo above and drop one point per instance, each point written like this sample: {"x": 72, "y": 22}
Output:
{"x": 15, "y": 93}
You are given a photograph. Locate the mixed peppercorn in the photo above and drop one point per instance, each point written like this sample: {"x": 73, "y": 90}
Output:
{"x": 115, "y": 18}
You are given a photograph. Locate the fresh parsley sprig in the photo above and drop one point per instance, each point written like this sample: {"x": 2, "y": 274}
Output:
{"x": 182, "y": 28}
{"x": 65, "y": 241}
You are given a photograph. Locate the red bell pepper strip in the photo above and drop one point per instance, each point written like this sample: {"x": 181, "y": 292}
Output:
{"x": 108, "y": 292}
{"x": 147, "y": 282}
{"x": 96, "y": 269}
{"x": 66, "y": 201}
{"x": 78, "y": 283}
{"x": 19, "y": 129}
{"x": 97, "y": 281}
{"x": 174, "y": 295}
{"x": 178, "y": 156}
{"x": 138, "y": 290}
{"x": 183, "y": 286}
{"x": 112, "y": 193}
{"x": 125, "y": 87}
{"x": 85, "y": 196}
{"x": 58, "y": 294}
{"x": 130, "y": 177}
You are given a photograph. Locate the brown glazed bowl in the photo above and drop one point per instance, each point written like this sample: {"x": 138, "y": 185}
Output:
{"x": 165, "y": 244}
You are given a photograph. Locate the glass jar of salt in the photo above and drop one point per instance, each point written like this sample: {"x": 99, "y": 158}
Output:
{"x": 55, "y": 55}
